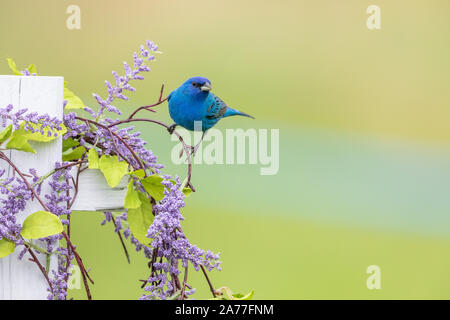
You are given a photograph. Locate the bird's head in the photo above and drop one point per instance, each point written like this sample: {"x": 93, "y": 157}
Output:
{"x": 197, "y": 86}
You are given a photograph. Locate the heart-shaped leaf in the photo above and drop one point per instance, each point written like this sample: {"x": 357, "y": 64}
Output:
{"x": 113, "y": 169}
{"x": 93, "y": 159}
{"x": 152, "y": 184}
{"x": 6, "y": 247}
{"x": 41, "y": 224}
{"x": 132, "y": 198}
{"x": 140, "y": 219}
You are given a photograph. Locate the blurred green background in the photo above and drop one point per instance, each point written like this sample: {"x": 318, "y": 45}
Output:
{"x": 363, "y": 115}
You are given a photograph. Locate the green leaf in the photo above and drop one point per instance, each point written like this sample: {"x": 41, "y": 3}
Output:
{"x": 19, "y": 142}
{"x": 69, "y": 143}
{"x": 73, "y": 102}
{"x": 187, "y": 191}
{"x": 32, "y": 69}
{"x": 12, "y": 65}
{"x": 6, "y": 247}
{"x": 132, "y": 198}
{"x": 153, "y": 186}
{"x": 224, "y": 293}
{"x": 113, "y": 169}
{"x": 41, "y": 224}
{"x": 140, "y": 219}
{"x": 138, "y": 173}
{"x": 74, "y": 154}
{"x": 93, "y": 159}
{"x": 5, "y": 134}
{"x": 240, "y": 296}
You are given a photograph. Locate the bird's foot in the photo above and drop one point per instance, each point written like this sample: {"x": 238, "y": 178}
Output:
{"x": 194, "y": 149}
{"x": 190, "y": 152}
{"x": 171, "y": 129}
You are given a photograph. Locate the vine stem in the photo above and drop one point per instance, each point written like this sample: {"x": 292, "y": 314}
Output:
{"x": 211, "y": 288}
{"x": 56, "y": 170}
{"x": 160, "y": 101}
{"x": 184, "y": 282}
{"x": 35, "y": 260}
{"x": 121, "y": 240}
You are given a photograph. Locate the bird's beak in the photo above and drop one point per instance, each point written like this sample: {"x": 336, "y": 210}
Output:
{"x": 206, "y": 87}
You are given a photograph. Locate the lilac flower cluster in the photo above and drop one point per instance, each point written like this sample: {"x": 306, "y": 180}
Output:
{"x": 60, "y": 191}
{"x": 122, "y": 84}
{"x": 58, "y": 200}
{"x": 169, "y": 248}
{"x": 15, "y": 195}
{"x": 118, "y": 227}
{"x": 172, "y": 247}
{"x": 44, "y": 121}
{"x": 27, "y": 73}
{"x": 113, "y": 143}
{"x": 61, "y": 275}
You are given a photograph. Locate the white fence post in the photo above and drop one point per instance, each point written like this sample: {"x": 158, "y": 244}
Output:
{"x": 22, "y": 279}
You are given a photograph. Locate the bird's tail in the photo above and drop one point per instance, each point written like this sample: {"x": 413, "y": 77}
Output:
{"x": 232, "y": 112}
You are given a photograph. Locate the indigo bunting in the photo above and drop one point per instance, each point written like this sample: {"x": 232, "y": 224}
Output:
{"x": 193, "y": 102}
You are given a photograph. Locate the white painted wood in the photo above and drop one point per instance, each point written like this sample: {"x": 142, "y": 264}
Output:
{"x": 22, "y": 279}
{"x": 94, "y": 193}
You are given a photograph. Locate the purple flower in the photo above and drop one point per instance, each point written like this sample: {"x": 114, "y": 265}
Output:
{"x": 122, "y": 82}
{"x": 172, "y": 246}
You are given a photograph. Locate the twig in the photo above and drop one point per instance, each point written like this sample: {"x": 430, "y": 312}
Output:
{"x": 211, "y": 288}
{"x": 121, "y": 241}
{"x": 150, "y": 106}
{"x": 184, "y": 283}
{"x": 35, "y": 260}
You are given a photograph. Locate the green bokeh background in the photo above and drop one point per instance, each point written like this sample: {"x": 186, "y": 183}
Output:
{"x": 363, "y": 115}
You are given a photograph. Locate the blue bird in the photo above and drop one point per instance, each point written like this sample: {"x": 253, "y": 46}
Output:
{"x": 193, "y": 103}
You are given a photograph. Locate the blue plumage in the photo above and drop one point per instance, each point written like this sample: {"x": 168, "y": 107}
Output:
{"x": 193, "y": 101}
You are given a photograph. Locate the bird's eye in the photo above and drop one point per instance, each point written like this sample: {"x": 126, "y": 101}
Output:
{"x": 194, "y": 84}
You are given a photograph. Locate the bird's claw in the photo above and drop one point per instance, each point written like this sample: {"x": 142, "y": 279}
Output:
{"x": 194, "y": 149}
{"x": 190, "y": 152}
{"x": 171, "y": 129}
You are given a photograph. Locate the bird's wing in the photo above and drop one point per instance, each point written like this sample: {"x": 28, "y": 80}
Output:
{"x": 216, "y": 109}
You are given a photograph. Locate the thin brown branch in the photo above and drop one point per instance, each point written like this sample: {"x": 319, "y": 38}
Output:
{"x": 35, "y": 260}
{"x": 84, "y": 273}
{"x": 211, "y": 288}
{"x": 183, "y": 289}
{"x": 121, "y": 241}
{"x": 148, "y": 108}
